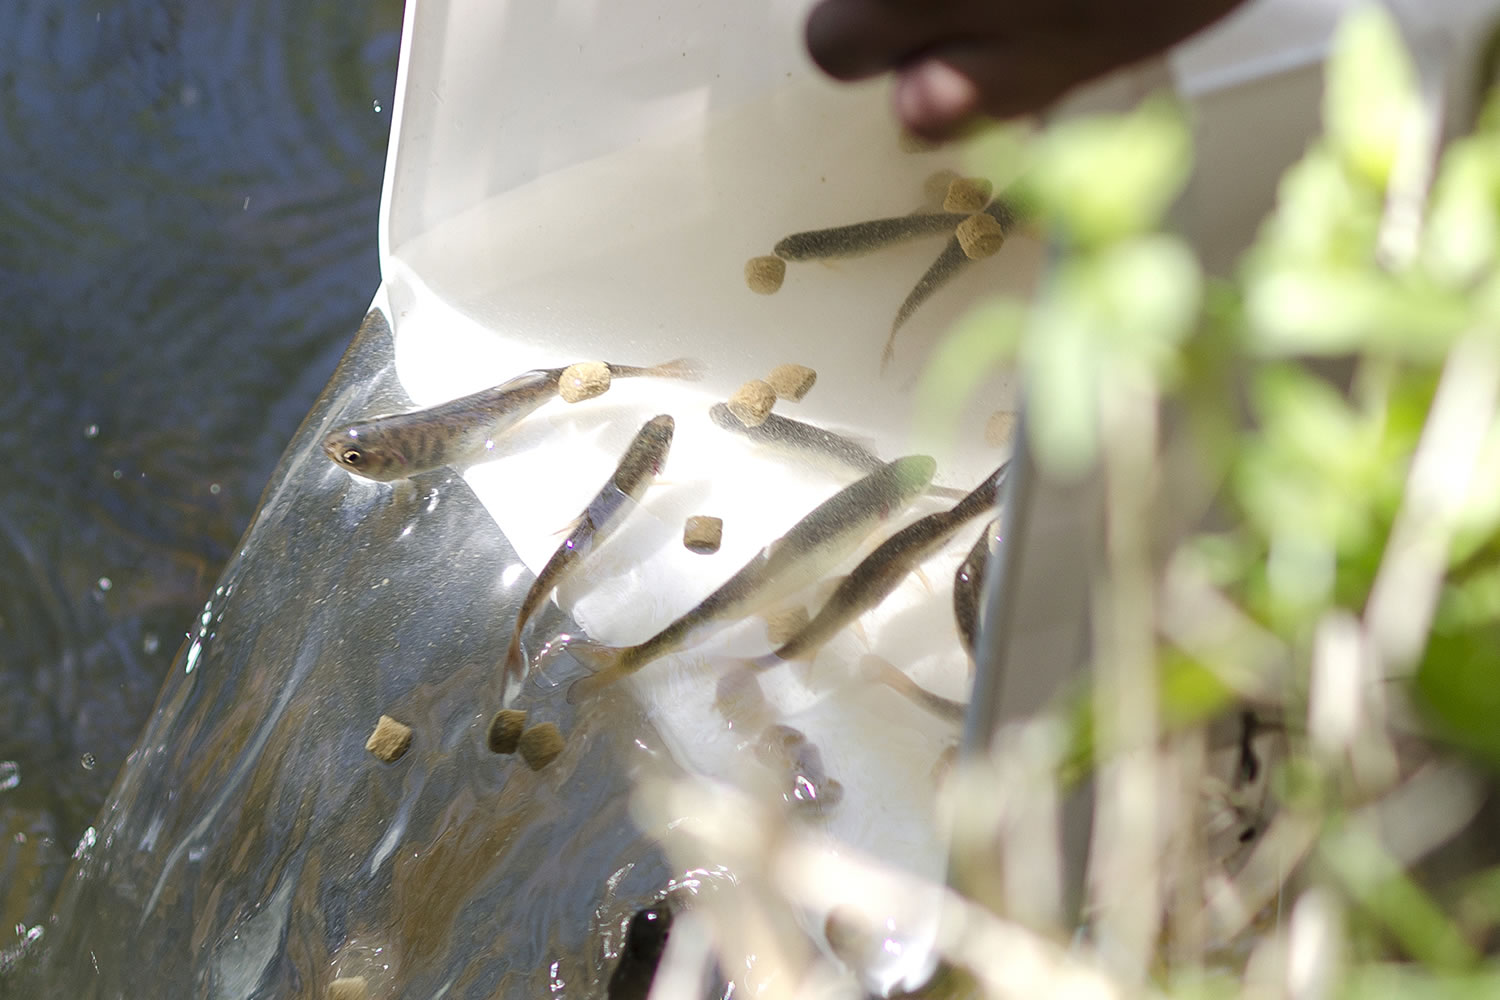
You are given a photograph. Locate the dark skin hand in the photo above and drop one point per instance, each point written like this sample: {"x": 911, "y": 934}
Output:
{"x": 957, "y": 59}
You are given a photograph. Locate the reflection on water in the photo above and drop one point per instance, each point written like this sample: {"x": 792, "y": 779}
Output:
{"x": 187, "y": 236}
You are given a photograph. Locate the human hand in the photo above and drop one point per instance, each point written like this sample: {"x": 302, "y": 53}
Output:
{"x": 955, "y": 59}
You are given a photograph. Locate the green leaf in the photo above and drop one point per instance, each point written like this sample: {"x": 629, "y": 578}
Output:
{"x": 1063, "y": 368}
{"x": 977, "y": 346}
{"x": 1458, "y": 684}
{"x": 1462, "y": 232}
{"x": 1370, "y": 95}
{"x": 1103, "y": 178}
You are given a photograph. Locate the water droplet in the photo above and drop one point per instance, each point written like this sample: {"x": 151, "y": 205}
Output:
{"x": 117, "y": 474}
{"x": 10, "y": 775}
{"x": 88, "y": 761}
{"x": 214, "y": 488}
{"x": 91, "y": 431}
{"x": 89, "y": 839}
{"x": 376, "y": 104}
{"x": 150, "y": 643}
{"x": 105, "y": 583}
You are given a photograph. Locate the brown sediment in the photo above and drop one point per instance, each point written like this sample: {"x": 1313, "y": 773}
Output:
{"x": 505, "y": 730}
{"x": 782, "y": 625}
{"x": 981, "y": 235}
{"x": 792, "y": 381}
{"x": 390, "y": 740}
{"x": 540, "y": 745}
{"x": 1000, "y": 428}
{"x": 967, "y": 194}
{"x": 348, "y": 988}
{"x": 752, "y": 402}
{"x": 584, "y": 380}
{"x": 702, "y": 534}
{"x": 764, "y": 275}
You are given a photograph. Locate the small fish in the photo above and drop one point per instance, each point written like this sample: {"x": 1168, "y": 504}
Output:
{"x": 885, "y": 672}
{"x": 794, "y": 435}
{"x": 795, "y": 560}
{"x": 402, "y": 445}
{"x": 865, "y": 237}
{"x": 968, "y": 581}
{"x": 947, "y": 266}
{"x": 882, "y": 571}
{"x": 640, "y": 465}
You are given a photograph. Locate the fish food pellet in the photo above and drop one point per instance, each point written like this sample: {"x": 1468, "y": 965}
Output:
{"x": 781, "y": 626}
{"x": 505, "y": 730}
{"x": 702, "y": 534}
{"x": 540, "y": 745}
{"x": 764, "y": 275}
{"x": 935, "y": 187}
{"x": 1000, "y": 428}
{"x": 980, "y": 236}
{"x": 348, "y": 988}
{"x": 584, "y": 380}
{"x": 967, "y": 194}
{"x": 390, "y": 740}
{"x": 752, "y": 402}
{"x": 791, "y": 381}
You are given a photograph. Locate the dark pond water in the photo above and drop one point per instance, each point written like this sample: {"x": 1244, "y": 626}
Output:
{"x": 187, "y": 243}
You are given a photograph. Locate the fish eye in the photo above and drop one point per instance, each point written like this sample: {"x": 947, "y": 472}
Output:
{"x": 353, "y": 456}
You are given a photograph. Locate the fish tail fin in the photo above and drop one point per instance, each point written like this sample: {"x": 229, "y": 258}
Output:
{"x": 515, "y": 659}
{"x": 686, "y": 369}
{"x": 606, "y": 663}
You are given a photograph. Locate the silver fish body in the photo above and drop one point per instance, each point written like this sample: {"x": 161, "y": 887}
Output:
{"x": 460, "y": 431}
{"x": 798, "y": 558}
{"x": 882, "y": 571}
{"x": 862, "y": 238}
{"x": 637, "y": 469}
{"x": 968, "y": 581}
{"x": 948, "y": 265}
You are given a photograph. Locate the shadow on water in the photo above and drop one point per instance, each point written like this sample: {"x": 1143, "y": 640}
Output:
{"x": 187, "y": 236}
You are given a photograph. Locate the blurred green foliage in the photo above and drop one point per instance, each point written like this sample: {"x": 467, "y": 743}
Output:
{"x": 1335, "y": 347}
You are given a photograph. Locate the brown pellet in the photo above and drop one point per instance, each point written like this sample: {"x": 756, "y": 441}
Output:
{"x": 980, "y": 236}
{"x": 782, "y": 625}
{"x": 584, "y": 380}
{"x": 935, "y": 188}
{"x": 702, "y": 534}
{"x": 791, "y": 381}
{"x": 390, "y": 740}
{"x": 752, "y": 402}
{"x": 540, "y": 745}
{"x": 967, "y": 194}
{"x": 505, "y": 730}
{"x": 348, "y": 988}
{"x": 764, "y": 275}
{"x": 1000, "y": 428}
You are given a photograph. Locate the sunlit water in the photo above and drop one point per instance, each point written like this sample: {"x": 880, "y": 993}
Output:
{"x": 187, "y": 238}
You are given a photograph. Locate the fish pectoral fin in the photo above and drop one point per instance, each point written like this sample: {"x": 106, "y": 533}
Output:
{"x": 570, "y": 527}
{"x": 922, "y": 577}
{"x": 860, "y": 633}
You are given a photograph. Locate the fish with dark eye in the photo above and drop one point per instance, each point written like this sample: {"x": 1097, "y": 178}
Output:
{"x": 638, "y": 468}
{"x": 882, "y": 571}
{"x": 968, "y": 585}
{"x": 797, "y": 559}
{"x": 461, "y": 431}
